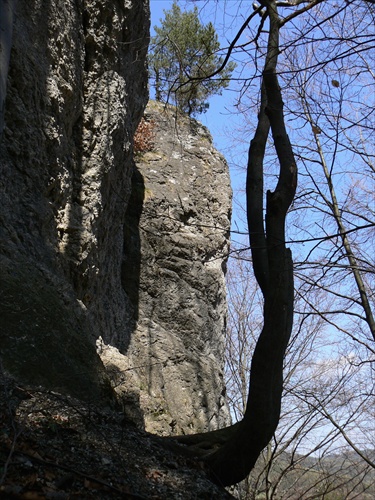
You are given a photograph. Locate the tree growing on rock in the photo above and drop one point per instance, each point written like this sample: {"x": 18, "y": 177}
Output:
{"x": 183, "y": 53}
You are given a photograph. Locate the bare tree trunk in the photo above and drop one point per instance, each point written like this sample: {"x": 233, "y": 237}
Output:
{"x": 7, "y": 9}
{"x": 157, "y": 85}
{"x": 241, "y": 445}
{"x": 335, "y": 209}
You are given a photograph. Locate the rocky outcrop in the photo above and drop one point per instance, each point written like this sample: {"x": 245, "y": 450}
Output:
{"x": 93, "y": 247}
{"x": 76, "y": 90}
{"x": 174, "y": 363}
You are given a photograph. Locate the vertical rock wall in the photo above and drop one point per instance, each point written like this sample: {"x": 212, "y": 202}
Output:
{"x": 175, "y": 358}
{"x": 93, "y": 247}
{"x": 77, "y": 87}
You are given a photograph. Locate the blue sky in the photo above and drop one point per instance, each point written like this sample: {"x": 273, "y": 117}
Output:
{"x": 311, "y": 218}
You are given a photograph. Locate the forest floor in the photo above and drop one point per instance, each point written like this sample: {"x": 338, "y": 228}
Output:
{"x": 56, "y": 447}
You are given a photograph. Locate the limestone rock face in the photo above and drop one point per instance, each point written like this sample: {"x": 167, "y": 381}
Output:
{"x": 76, "y": 90}
{"x": 93, "y": 246}
{"x": 174, "y": 362}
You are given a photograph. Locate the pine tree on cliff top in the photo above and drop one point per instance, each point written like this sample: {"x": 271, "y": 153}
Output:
{"x": 183, "y": 53}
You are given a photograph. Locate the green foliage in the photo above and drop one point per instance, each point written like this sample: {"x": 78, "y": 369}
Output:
{"x": 183, "y": 54}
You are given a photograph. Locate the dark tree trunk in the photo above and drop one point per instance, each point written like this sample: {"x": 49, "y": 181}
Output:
{"x": 237, "y": 448}
{"x": 235, "y": 459}
{"x": 157, "y": 85}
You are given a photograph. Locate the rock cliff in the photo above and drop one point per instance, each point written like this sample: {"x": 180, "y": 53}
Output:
{"x": 76, "y": 90}
{"x": 111, "y": 271}
{"x": 174, "y": 362}
{"x": 93, "y": 246}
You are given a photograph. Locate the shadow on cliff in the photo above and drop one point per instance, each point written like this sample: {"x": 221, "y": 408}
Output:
{"x": 131, "y": 263}
{"x": 47, "y": 262}
{"x": 38, "y": 311}
{"x": 103, "y": 241}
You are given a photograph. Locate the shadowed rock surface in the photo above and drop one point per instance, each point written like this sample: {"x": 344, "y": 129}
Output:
{"x": 76, "y": 90}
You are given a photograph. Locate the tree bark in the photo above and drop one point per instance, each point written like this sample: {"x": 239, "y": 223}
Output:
{"x": 273, "y": 268}
{"x": 254, "y": 196}
{"x": 241, "y": 445}
{"x": 231, "y": 453}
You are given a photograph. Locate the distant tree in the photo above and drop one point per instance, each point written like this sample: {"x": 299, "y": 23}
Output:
{"x": 321, "y": 445}
{"x": 183, "y": 53}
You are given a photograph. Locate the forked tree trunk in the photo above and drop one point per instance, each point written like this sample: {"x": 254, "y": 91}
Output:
{"x": 235, "y": 459}
{"x": 239, "y": 446}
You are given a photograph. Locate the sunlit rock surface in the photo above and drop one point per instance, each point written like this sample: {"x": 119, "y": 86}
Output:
{"x": 174, "y": 362}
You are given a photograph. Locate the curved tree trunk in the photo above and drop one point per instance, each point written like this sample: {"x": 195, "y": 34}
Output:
{"x": 231, "y": 453}
{"x": 233, "y": 461}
